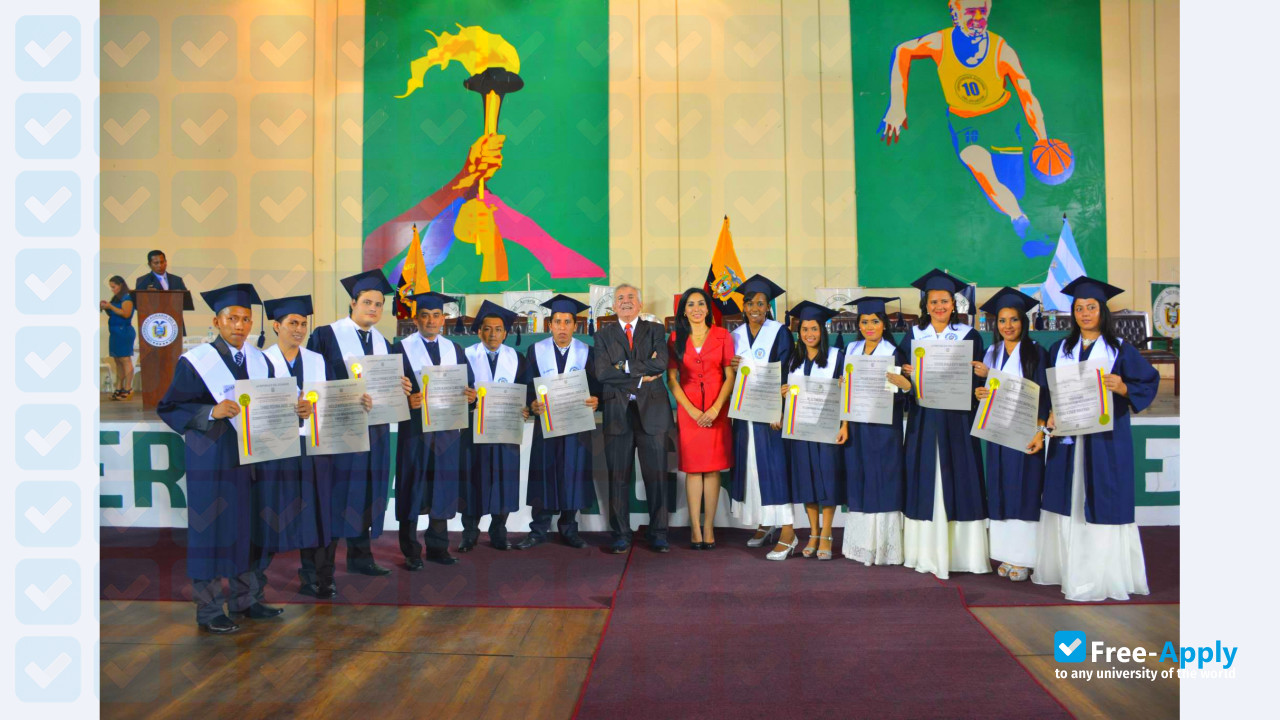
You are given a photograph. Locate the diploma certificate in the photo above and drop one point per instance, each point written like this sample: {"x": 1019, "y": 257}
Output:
{"x": 812, "y": 410}
{"x": 943, "y": 373}
{"x": 381, "y": 375}
{"x": 1082, "y": 404}
{"x": 444, "y": 399}
{"x": 1008, "y": 416}
{"x": 338, "y": 421}
{"x": 497, "y": 417}
{"x": 866, "y": 394}
{"x": 268, "y": 419}
{"x": 564, "y": 399}
{"x": 756, "y": 392}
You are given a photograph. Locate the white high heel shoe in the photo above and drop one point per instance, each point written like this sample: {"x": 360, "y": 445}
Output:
{"x": 754, "y": 542}
{"x": 783, "y": 554}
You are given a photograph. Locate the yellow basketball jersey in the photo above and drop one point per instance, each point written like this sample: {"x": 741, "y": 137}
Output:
{"x": 976, "y": 90}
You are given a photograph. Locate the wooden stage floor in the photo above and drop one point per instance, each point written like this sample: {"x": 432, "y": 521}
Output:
{"x": 381, "y": 662}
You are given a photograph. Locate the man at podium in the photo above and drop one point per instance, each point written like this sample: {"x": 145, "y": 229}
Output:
{"x": 159, "y": 278}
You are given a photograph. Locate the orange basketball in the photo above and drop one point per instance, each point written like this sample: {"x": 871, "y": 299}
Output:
{"x": 1052, "y": 161}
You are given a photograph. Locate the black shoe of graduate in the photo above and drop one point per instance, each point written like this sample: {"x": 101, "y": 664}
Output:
{"x": 220, "y": 625}
{"x": 441, "y": 557}
{"x": 468, "y": 544}
{"x": 258, "y": 611}
{"x": 574, "y": 540}
{"x": 530, "y": 541}
{"x": 328, "y": 590}
{"x": 413, "y": 564}
{"x": 368, "y": 568}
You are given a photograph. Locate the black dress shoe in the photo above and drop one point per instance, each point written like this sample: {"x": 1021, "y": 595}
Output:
{"x": 220, "y": 625}
{"x": 368, "y": 568}
{"x": 467, "y": 545}
{"x": 619, "y": 546}
{"x": 413, "y": 564}
{"x": 697, "y": 546}
{"x": 529, "y": 541}
{"x": 499, "y": 545}
{"x": 328, "y": 590}
{"x": 709, "y": 546}
{"x": 309, "y": 589}
{"x": 660, "y": 545}
{"x": 574, "y": 541}
{"x": 258, "y": 611}
{"x": 441, "y": 557}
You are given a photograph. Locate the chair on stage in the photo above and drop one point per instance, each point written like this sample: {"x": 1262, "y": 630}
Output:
{"x": 1135, "y": 327}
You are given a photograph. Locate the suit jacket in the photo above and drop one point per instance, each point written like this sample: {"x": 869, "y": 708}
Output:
{"x": 648, "y": 357}
{"x": 149, "y": 282}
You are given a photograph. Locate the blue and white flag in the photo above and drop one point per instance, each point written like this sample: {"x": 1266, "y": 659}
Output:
{"x": 1066, "y": 266}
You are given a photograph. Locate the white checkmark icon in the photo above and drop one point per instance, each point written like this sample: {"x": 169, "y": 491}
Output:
{"x": 44, "y": 366}
{"x": 43, "y": 521}
{"x": 47, "y": 132}
{"x": 43, "y": 676}
{"x": 44, "y": 288}
{"x": 47, "y": 54}
{"x": 45, "y": 598}
{"x": 44, "y": 444}
{"x": 1068, "y": 649}
{"x": 44, "y": 211}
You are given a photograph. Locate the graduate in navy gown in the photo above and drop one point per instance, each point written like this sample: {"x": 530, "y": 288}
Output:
{"x": 430, "y": 466}
{"x": 1015, "y": 476}
{"x": 759, "y": 492}
{"x": 815, "y": 467}
{"x": 873, "y": 475}
{"x": 493, "y": 483}
{"x": 560, "y": 469}
{"x": 1088, "y": 539}
{"x": 200, "y": 405}
{"x": 296, "y": 490}
{"x": 946, "y": 505}
{"x": 361, "y": 481}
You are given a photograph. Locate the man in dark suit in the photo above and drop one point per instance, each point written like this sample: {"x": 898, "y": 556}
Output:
{"x": 630, "y": 359}
{"x": 159, "y": 277}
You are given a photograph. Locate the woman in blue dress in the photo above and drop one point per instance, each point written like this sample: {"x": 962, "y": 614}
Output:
{"x": 814, "y": 466}
{"x": 1015, "y": 476}
{"x": 1088, "y": 537}
{"x": 120, "y": 335}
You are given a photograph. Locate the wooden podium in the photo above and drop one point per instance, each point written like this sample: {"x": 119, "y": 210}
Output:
{"x": 160, "y": 331}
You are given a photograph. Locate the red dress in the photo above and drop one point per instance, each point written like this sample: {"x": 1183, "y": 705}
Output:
{"x": 701, "y": 376}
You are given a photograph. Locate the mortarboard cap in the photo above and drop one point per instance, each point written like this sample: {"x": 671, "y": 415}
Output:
{"x": 280, "y": 308}
{"x": 936, "y": 279}
{"x": 1008, "y": 297}
{"x": 368, "y": 280}
{"x": 1087, "y": 287}
{"x": 759, "y": 284}
{"x": 565, "y": 304}
{"x": 238, "y": 295}
{"x": 491, "y": 309}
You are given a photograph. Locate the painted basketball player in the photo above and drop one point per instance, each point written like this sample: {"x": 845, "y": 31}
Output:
{"x": 974, "y": 67}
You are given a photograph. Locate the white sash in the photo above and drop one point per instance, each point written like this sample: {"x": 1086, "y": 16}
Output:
{"x": 344, "y": 331}
{"x": 758, "y": 351}
{"x": 950, "y": 332}
{"x": 818, "y": 371}
{"x": 1108, "y": 360}
{"x": 883, "y": 348}
{"x": 415, "y": 347}
{"x": 1014, "y": 360}
{"x": 544, "y": 351}
{"x": 218, "y": 378}
{"x": 312, "y": 370}
{"x": 508, "y": 363}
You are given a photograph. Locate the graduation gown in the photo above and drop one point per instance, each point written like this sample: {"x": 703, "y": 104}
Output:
{"x": 1015, "y": 479}
{"x": 292, "y": 495}
{"x": 430, "y": 467}
{"x": 361, "y": 481}
{"x": 560, "y": 469}
{"x": 873, "y": 459}
{"x": 815, "y": 467}
{"x": 771, "y": 456}
{"x": 1108, "y": 462}
{"x": 493, "y": 483}
{"x": 933, "y": 433}
{"x": 219, "y": 494}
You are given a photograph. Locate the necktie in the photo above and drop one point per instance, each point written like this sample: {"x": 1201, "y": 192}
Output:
{"x": 493, "y": 362}
{"x": 630, "y": 344}
{"x": 164, "y": 281}
{"x": 239, "y": 358}
{"x": 433, "y": 351}
{"x": 366, "y": 341}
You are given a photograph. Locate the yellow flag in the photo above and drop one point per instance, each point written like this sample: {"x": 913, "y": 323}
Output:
{"x": 725, "y": 274}
{"x": 413, "y": 279}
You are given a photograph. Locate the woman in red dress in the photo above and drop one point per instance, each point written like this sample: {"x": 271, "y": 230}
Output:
{"x": 700, "y": 378}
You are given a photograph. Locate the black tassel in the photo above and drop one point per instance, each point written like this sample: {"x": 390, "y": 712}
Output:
{"x": 840, "y": 339}
{"x": 591, "y": 327}
{"x": 458, "y": 327}
{"x": 518, "y": 335}
{"x": 262, "y": 328}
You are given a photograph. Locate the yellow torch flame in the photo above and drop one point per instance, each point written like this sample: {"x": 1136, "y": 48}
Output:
{"x": 475, "y": 48}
